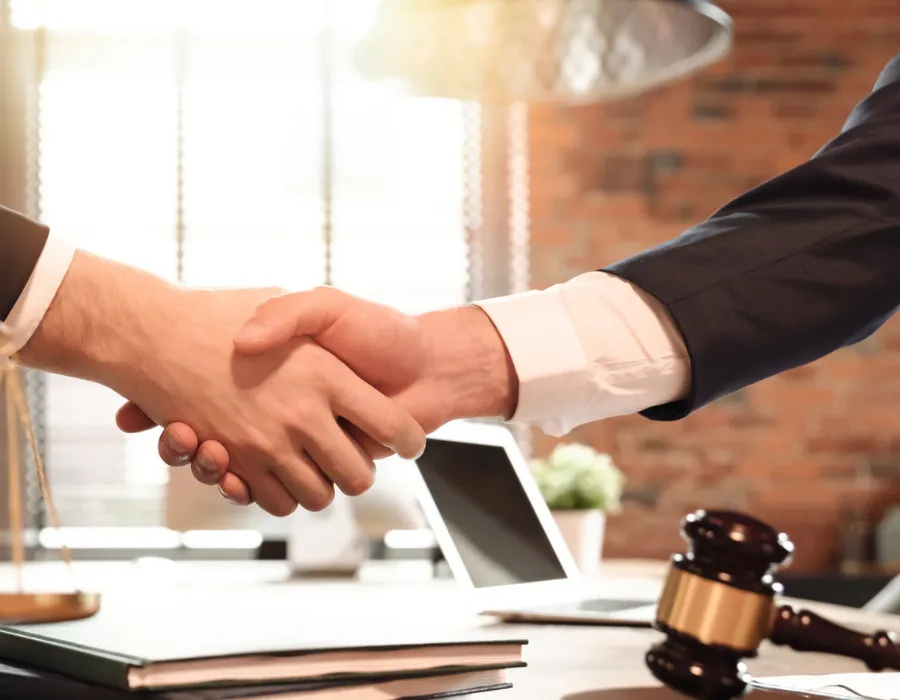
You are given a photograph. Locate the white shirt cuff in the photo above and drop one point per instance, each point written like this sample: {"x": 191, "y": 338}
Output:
{"x": 35, "y": 299}
{"x": 591, "y": 348}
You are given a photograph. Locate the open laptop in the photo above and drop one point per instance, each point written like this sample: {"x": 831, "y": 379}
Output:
{"x": 499, "y": 537}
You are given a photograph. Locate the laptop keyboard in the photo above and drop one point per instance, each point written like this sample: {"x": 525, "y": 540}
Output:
{"x": 607, "y": 605}
{"x": 599, "y": 605}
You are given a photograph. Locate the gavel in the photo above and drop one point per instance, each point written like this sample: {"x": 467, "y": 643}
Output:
{"x": 718, "y": 604}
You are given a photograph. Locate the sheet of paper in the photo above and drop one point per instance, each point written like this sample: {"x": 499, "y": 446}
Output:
{"x": 878, "y": 686}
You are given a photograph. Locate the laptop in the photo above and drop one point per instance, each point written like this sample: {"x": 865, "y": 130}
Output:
{"x": 498, "y": 536}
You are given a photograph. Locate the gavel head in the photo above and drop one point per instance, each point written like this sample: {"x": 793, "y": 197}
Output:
{"x": 717, "y": 604}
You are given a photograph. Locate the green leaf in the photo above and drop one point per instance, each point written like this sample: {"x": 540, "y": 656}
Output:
{"x": 577, "y": 477}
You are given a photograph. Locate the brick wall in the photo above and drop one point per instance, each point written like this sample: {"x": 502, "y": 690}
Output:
{"x": 611, "y": 180}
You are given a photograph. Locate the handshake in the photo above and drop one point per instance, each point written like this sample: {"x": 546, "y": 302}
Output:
{"x": 275, "y": 398}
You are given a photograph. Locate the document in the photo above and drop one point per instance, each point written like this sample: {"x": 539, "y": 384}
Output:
{"x": 858, "y": 686}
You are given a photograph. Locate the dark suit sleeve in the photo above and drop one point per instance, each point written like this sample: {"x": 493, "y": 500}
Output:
{"x": 21, "y": 243}
{"x": 794, "y": 269}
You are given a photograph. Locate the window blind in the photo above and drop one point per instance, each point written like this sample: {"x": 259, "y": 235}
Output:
{"x": 225, "y": 144}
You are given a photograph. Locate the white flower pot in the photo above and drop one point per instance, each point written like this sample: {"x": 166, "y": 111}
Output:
{"x": 583, "y": 532}
{"x": 326, "y": 541}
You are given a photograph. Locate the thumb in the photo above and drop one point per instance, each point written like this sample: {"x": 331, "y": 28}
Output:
{"x": 131, "y": 419}
{"x": 279, "y": 319}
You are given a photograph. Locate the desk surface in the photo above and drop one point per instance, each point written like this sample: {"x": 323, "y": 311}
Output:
{"x": 562, "y": 660}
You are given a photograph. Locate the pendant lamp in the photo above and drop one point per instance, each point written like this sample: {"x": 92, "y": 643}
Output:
{"x": 558, "y": 51}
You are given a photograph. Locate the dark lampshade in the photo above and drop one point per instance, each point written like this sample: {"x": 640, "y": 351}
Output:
{"x": 562, "y": 51}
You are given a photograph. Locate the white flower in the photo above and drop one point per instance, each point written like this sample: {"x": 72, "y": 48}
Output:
{"x": 577, "y": 476}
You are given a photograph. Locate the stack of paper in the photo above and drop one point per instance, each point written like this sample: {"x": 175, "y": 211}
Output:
{"x": 182, "y": 656}
{"x": 865, "y": 686}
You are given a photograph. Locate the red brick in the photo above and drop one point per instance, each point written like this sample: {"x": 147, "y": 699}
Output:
{"x": 791, "y": 448}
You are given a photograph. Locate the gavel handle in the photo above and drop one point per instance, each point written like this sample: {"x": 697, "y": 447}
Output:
{"x": 802, "y": 630}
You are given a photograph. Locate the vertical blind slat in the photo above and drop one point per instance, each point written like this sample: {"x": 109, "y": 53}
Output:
{"x": 244, "y": 135}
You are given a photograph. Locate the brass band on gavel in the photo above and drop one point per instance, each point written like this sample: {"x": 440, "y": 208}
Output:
{"x": 715, "y": 613}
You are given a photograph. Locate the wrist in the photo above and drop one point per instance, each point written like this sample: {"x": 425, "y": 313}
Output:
{"x": 470, "y": 363}
{"x": 100, "y": 324}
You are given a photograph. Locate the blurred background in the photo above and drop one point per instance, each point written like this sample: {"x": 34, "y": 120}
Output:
{"x": 223, "y": 144}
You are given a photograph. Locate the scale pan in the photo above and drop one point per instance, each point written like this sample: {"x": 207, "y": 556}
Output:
{"x": 31, "y": 608}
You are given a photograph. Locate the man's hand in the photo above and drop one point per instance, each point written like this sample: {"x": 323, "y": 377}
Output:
{"x": 439, "y": 366}
{"x": 276, "y": 417}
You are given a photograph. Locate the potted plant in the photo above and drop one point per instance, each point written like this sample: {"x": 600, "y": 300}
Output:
{"x": 580, "y": 486}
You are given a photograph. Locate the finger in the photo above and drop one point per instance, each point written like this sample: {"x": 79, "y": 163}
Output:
{"x": 177, "y": 444}
{"x": 234, "y": 490}
{"x": 131, "y": 419}
{"x": 341, "y": 459}
{"x": 263, "y": 485}
{"x": 270, "y": 493}
{"x": 377, "y": 415}
{"x": 210, "y": 463}
{"x": 304, "y": 480}
{"x": 373, "y": 448}
{"x": 277, "y": 320}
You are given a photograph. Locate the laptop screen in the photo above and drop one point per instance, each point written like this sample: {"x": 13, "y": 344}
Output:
{"x": 490, "y": 519}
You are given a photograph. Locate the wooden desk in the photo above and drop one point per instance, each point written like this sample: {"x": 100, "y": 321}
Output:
{"x": 562, "y": 660}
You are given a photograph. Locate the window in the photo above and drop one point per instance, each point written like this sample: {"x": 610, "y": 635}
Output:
{"x": 202, "y": 140}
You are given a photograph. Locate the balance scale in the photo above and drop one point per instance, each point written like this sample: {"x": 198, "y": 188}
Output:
{"x": 21, "y": 606}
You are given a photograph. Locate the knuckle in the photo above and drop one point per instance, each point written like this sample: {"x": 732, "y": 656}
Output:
{"x": 282, "y": 509}
{"x": 358, "y": 483}
{"x": 306, "y": 417}
{"x": 318, "y": 371}
{"x": 274, "y": 304}
{"x": 392, "y": 424}
{"x": 319, "y": 501}
{"x": 266, "y": 306}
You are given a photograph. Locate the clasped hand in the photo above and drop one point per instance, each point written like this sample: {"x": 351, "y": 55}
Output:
{"x": 317, "y": 418}
{"x": 283, "y": 420}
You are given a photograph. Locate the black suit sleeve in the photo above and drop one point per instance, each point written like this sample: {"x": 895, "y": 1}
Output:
{"x": 21, "y": 244}
{"x": 798, "y": 267}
